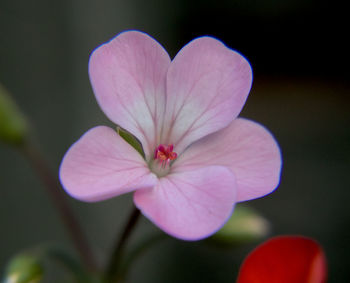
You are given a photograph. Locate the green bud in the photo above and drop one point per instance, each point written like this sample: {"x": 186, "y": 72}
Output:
{"x": 13, "y": 126}
{"x": 245, "y": 225}
{"x": 23, "y": 268}
{"x": 131, "y": 139}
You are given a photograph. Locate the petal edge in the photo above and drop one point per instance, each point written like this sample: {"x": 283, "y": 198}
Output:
{"x": 190, "y": 205}
{"x": 247, "y": 148}
{"x": 207, "y": 85}
{"x": 101, "y": 165}
{"x": 128, "y": 76}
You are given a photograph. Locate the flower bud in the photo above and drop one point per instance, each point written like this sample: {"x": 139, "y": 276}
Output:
{"x": 13, "y": 126}
{"x": 23, "y": 268}
{"x": 245, "y": 225}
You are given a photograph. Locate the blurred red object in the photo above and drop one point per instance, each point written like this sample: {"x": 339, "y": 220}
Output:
{"x": 285, "y": 259}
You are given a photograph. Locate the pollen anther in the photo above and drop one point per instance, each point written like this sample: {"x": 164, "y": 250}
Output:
{"x": 165, "y": 153}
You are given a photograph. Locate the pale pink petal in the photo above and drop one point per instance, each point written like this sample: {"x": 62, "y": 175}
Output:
{"x": 245, "y": 147}
{"x": 207, "y": 85}
{"x": 128, "y": 76}
{"x": 101, "y": 165}
{"x": 190, "y": 205}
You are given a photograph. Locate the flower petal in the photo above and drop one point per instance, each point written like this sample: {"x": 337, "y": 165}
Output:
{"x": 128, "y": 77}
{"x": 247, "y": 148}
{"x": 102, "y": 165}
{"x": 207, "y": 85}
{"x": 287, "y": 259}
{"x": 190, "y": 205}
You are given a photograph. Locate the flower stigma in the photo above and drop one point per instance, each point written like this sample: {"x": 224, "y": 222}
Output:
{"x": 163, "y": 157}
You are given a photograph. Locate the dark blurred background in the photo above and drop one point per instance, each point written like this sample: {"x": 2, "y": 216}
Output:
{"x": 299, "y": 53}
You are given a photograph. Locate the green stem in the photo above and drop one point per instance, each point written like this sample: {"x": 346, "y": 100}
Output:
{"x": 112, "y": 271}
{"x": 59, "y": 200}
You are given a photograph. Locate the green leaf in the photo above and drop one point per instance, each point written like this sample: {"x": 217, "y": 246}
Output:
{"x": 245, "y": 225}
{"x": 131, "y": 139}
{"x": 13, "y": 126}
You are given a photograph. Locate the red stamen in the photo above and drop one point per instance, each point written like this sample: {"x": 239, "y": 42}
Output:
{"x": 165, "y": 153}
{"x": 172, "y": 155}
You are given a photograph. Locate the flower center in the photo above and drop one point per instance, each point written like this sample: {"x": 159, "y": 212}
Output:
{"x": 163, "y": 156}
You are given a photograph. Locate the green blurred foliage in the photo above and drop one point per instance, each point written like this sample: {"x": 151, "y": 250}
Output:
{"x": 13, "y": 126}
{"x": 23, "y": 268}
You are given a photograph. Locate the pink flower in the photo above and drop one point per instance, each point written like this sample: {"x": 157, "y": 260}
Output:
{"x": 200, "y": 159}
